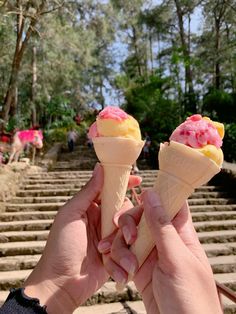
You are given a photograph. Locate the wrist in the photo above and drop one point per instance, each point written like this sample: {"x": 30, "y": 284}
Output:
{"x": 54, "y": 297}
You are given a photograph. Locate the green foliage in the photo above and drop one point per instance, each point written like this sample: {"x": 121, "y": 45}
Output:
{"x": 220, "y": 105}
{"x": 55, "y": 135}
{"x": 149, "y": 104}
{"x": 229, "y": 143}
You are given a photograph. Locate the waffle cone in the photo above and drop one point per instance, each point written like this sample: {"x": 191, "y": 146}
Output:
{"x": 117, "y": 155}
{"x": 182, "y": 169}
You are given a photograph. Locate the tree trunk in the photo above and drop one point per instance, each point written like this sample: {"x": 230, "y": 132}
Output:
{"x": 151, "y": 51}
{"x": 217, "y": 61}
{"x": 134, "y": 38}
{"x": 33, "y": 86}
{"x": 185, "y": 49}
{"x": 23, "y": 36}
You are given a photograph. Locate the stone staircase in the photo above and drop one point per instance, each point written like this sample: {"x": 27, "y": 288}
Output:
{"x": 25, "y": 225}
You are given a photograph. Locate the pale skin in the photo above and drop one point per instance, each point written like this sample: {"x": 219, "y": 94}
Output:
{"x": 71, "y": 268}
{"x": 176, "y": 280}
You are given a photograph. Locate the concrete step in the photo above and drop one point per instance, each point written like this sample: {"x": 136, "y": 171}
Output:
{"x": 26, "y": 225}
{"x": 37, "y": 215}
{"x": 209, "y": 194}
{"x": 13, "y": 263}
{"x": 211, "y": 201}
{"x": 228, "y": 279}
{"x": 53, "y": 186}
{"x": 34, "y": 207}
{"x": 48, "y": 192}
{"x": 219, "y": 249}
{"x": 222, "y": 236}
{"x": 63, "y": 191}
{"x": 21, "y": 216}
{"x": 212, "y": 208}
{"x": 17, "y": 236}
{"x": 45, "y": 224}
{"x": 40, "y": 199}
{"x": 128, "y": 307}
{"x": 223, "y": 264}
{"x": 21, "y": 248}
{"x": 215, "y": 225}
{"x": 13, "y": 279}
{"x": 110, "y": 301}
{"x": 204, "y": 216}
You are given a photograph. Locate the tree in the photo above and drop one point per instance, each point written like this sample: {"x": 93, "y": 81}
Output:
{"x": 27, "y": 15}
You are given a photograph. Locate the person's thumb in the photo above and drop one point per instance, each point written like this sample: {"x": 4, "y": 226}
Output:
{"x": 163, "y": 232}
{"x": 89, "y": 193}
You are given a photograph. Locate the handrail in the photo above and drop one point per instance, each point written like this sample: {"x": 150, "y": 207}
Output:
{"x": 222, "y": 289}
{"x": 229, "y": 293}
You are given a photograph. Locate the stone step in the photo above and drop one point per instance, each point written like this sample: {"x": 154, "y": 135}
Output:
{"x": 47, "y": 192}
{"x": 211, "y": 201}
{"x": 215, "y": 225}
{"x": 21, "y": 248}
{"x": 20, "y": 216}
{"x": 46, "y": 223}
{"x": 219, "y": 249}
{"x": 30, "y": 235}
{"x": 13, "y": 279}
{"x": 62, "y": 190}
{"x": 204, "y": 216}
{"x": 13, "y": 263}
{"x": 18, "y": 256}
{"x": 127, "y": 307}
{"x": 40, "y": 199}
{"x": 34, "y": 207}
{"x": 222, "y": 236}
{"x": 223, "y": 264}
{"x": 50, "y": 206}
{"x": 212, "y": 208}
{"x": 110, "y": 301}
{"x": 228, "y": 279}
{"x": 26, "y": 225}
{"x": 209, "y": 194}
{"x": 53, "y": 199}
{"x": 37, "y": 215}
{"x": 52, "y": 186}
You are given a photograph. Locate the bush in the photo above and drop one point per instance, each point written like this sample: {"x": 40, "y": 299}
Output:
{"x": 220, "y": 105}
{"x": 229, "y": 142}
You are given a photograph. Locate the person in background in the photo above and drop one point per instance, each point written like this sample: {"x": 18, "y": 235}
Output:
{"x": 71, "y": 139}
{"x": 147, "y": 145}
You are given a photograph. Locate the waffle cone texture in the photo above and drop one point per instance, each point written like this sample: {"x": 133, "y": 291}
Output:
{"x": 182, "y": 169}
{"x": 117, "y": 155}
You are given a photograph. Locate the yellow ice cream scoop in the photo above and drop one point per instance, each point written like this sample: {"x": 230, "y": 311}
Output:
{"x": 128, "y": 128}
{"x": 213, "y": 153}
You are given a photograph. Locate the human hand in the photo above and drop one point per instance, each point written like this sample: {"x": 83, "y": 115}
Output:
{"x": 180, "y": 280}
{"x": 71, "y": 268}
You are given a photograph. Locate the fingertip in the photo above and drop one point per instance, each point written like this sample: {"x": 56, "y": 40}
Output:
{"x": 134, "y": 181}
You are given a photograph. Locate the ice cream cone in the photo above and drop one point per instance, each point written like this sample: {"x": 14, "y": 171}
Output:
{"x": 117, "y": 155}
{"x": 182, "y": 169}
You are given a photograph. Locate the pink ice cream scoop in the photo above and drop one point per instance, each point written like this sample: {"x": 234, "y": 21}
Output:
{"x": 114, "y": 122}
{"x": 197, "y": 132}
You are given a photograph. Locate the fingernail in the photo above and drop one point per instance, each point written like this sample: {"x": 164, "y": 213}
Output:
{"x": 128, "y": 266}
{"x": 126, "y": 234}
{"x": 104, "y": 246}
{"x": 119, "y": 278}
{"x": 96, "y": 169}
